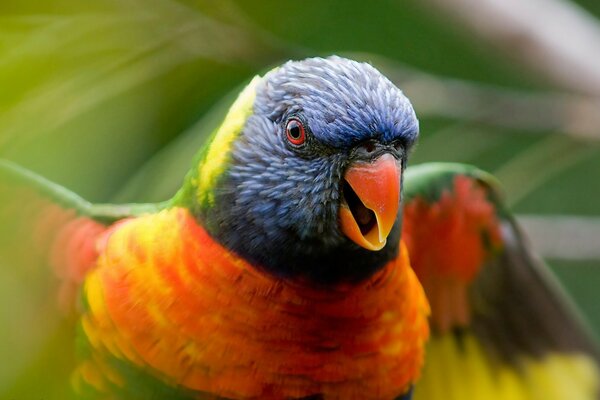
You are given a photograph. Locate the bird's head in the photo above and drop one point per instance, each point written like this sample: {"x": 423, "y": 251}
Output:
{"x": 303, "y": 177}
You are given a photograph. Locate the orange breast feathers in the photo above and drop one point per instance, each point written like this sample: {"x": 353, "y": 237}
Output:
{"x": 166, "y": 296}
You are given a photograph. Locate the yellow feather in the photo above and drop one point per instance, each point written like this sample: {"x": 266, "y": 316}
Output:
{"x": 219, "y": 151}
{"x": 453, "y": 373}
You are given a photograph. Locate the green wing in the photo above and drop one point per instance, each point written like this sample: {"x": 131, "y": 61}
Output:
{"x": 15, "y": 180}
{"x": 502, "y": 330}
{"x": 44, "y": 224}
{"x": 47, "y": 237}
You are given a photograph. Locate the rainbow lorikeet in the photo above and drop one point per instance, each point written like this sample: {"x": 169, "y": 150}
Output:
{"x": 280, "y": 270}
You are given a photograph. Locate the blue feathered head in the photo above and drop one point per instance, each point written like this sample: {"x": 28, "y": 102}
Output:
{"x": 317, "y": 141}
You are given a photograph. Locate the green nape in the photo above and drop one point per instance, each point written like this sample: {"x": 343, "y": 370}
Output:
{"x": 213, "y": 158}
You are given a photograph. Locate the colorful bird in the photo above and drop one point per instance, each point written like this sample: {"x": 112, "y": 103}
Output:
{"x": 278, "y": 270}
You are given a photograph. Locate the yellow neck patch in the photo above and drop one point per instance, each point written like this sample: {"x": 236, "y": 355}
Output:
{"x": 218, "y": 153}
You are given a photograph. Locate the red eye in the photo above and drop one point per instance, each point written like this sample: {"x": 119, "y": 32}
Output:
{"x": 295, "y": 131}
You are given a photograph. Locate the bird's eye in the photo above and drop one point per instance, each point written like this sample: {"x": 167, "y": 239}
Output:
{"x": 295, "y": 132}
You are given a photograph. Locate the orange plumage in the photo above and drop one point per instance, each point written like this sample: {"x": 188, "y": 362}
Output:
{"x": 168, "y": 298}
{"x": 454, "y": 226}
{"x": 445, "y": 242}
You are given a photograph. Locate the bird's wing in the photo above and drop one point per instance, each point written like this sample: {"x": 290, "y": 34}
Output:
{"x": 18, "y": 183}
{"x": 45, "y": 224}
{"x": 502, "y": 326}
{"x": 48, "y": 242}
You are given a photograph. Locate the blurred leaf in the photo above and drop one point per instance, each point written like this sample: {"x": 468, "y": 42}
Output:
{"x": 160, "y": 177}
{"x": 116, "y": 85}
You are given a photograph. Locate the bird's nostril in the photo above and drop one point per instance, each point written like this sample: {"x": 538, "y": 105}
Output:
{"x": 369, "y": 147}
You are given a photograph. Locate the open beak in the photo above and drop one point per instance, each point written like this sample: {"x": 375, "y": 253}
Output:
{"x": 372, "y": 197}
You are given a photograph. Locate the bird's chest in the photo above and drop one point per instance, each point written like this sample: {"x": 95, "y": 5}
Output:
{"x": 194, "y": 317}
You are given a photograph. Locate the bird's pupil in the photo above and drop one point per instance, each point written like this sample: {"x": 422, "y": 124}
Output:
{"x": 295, "y": 131}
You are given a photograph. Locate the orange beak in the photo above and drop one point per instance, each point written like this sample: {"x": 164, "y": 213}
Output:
{"x": 372, "y": 199}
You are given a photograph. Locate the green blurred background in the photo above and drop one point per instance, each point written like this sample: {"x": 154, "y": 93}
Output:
{"x": 112, "y": 98}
